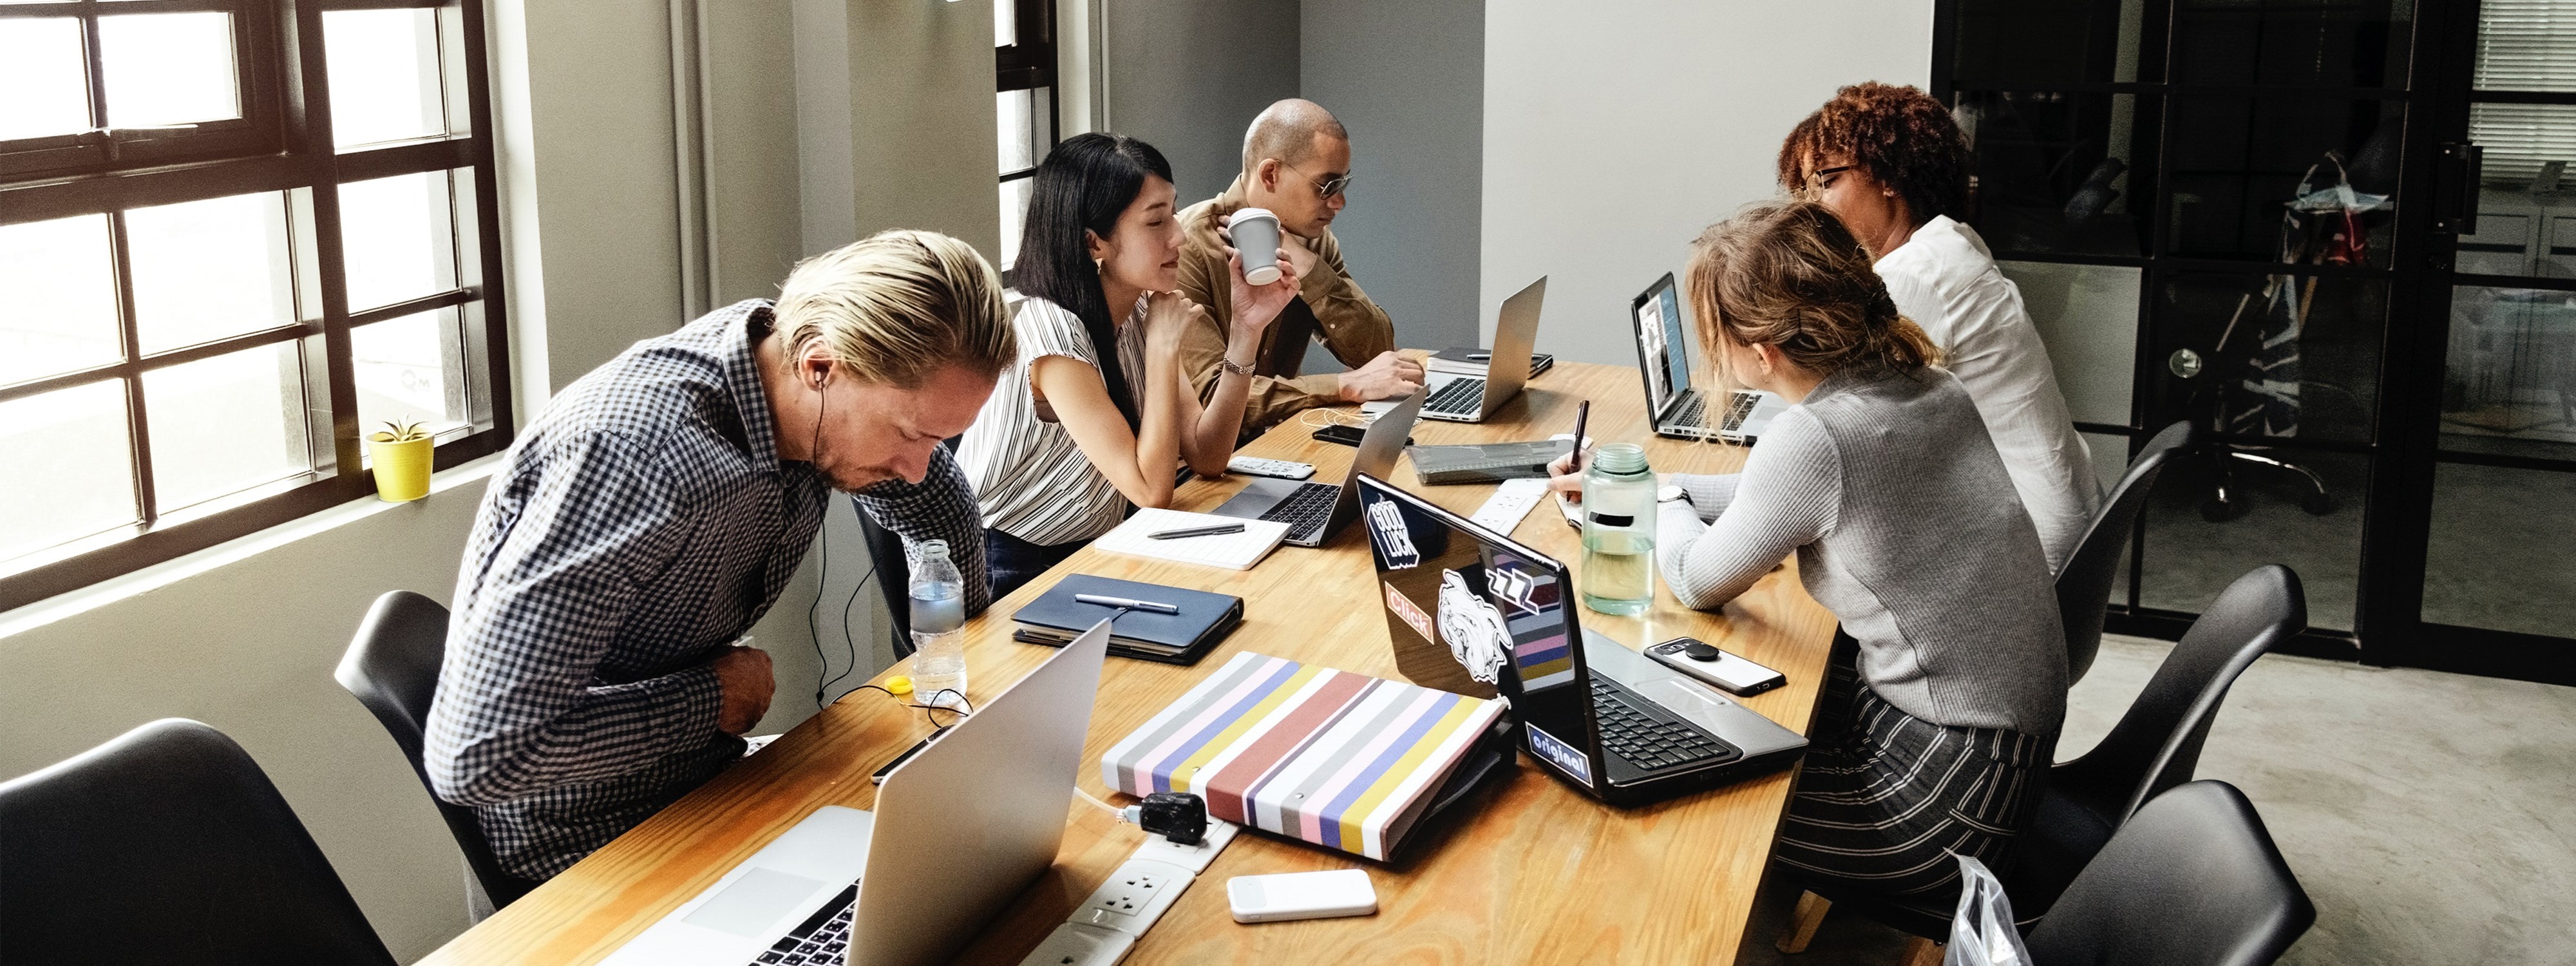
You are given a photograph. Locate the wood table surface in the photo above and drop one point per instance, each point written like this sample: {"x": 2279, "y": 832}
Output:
{"x": 1528, "y": 871}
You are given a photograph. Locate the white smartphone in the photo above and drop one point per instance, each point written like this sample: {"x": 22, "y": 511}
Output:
{"x": 1730, "y": 673}
{"x": 1301, "y": 895}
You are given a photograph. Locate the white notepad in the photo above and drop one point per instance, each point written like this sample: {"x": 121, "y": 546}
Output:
{"x": 1234, "y": 551}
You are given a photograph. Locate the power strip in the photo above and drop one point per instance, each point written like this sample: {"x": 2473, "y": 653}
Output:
{"x": 1109, "y": 922}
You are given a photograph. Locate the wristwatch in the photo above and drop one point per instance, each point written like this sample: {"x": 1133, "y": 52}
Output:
{"x": 1668, "y": 493}
{"x": 1230, "y": 365}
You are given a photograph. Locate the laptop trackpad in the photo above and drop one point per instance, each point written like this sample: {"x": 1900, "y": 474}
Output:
{"x": 752, "y": 905}
{"x": 1688, "y": 699}
{"x": 1257, "y": 498}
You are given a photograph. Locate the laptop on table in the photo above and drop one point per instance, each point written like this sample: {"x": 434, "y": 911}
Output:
{"x": 967, "y": 823}
{"x": 1316, "y": 511}
{"x": 1473, "y": 399}
{"x": 1663, "y": 356}
{"x": 1469, "y": 610}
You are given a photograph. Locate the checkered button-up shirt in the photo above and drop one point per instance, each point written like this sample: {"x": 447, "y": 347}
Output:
{"x": 642, "y": 522}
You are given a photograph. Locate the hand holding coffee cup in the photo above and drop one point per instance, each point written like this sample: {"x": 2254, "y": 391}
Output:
{"x": 1255, "y": 233}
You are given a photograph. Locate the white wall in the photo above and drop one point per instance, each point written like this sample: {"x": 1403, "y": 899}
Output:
{"x": 1615, "y": 132}
{"x": 1408, "y": 80}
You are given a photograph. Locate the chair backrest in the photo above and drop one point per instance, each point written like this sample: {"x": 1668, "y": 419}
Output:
{"x": 168, "y": 844}
{"x": 2192, "y": 878}
{"x": 894, "y": 579}
{"x": 2084, "y": 582}
{"x": 2156, "y": 745}
{"x": 392, "y": 668}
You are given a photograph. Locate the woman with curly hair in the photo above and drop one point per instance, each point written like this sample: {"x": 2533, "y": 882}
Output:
{"x": 1891, "y": 163}
{"x": 1948, "y": 685}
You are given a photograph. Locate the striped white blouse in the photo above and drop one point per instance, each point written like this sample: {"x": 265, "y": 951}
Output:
{"x": 1031, "y": 481}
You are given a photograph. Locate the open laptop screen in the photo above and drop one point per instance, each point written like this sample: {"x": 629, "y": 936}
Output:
{"x": 1663, "y": 347}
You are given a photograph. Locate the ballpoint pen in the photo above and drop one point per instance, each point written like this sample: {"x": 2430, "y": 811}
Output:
{"x": 1152, "y": 606}
{"x": 1195, "y": 531}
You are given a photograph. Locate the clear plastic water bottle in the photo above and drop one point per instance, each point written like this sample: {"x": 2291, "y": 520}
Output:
{"x": 1618, "y": 575}
{"x": 938, "y": 621}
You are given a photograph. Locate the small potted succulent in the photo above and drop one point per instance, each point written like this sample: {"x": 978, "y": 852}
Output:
{"x": 401, "y": 452}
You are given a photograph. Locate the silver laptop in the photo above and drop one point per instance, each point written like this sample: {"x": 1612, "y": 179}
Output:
{"x": 1474, "y": 399}
{"x": 1316, "y": 511}
{"x": 1663, "y": 356}
{"x": 969, "y": 822}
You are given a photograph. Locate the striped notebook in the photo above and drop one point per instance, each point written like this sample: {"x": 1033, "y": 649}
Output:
{"x": 1342, "y": 760}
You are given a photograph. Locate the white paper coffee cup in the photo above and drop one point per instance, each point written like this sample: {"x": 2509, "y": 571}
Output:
{"x": 1255, "y": 232}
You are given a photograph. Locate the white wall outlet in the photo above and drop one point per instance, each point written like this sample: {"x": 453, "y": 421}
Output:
{"x": 1134, "y": 896}
{"x": 1075, "y": 944}
{"x": 1191, "y": 858}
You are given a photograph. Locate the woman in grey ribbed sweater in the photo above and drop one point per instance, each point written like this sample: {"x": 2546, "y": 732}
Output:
{"x": 1949, "y": 684}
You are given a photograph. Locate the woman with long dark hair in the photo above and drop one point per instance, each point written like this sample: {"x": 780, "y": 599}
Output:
{"x": 1097, "y": 417}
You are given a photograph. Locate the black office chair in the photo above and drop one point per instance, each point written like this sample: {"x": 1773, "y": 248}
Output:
{"x": 2084, "y": 583}
{"x": 2155, "y": 746}
{"x": 392, "y": 667}
{"x": 168, "y": 844}
{"x": 2157, "y": 743}
{"x": 2192, "y": 878}
{"x": 894, "y": 578}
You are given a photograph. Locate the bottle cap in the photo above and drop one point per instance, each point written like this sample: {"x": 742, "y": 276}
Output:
{"x": 934, "y": 548}
{"x": 1619, "y": 458}
{"x": 898, "y": 683}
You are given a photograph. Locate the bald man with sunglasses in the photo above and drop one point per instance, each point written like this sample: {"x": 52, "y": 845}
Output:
{"x": 1297, "y": 165}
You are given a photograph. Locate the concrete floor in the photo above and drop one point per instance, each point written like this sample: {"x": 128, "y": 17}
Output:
{"x": 2431, "y": 817}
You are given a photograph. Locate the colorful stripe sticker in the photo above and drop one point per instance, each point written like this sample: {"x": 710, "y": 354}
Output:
{"x": 1367, "y": 810}
{"x": 1353, "y": 800}
{"x": 1119, "y": 769}
{"x": 1230, "y": 783}
{"x": 1213, "y": 719}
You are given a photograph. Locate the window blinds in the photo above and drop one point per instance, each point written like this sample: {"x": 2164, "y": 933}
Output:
{"x": 2525, "y": 45}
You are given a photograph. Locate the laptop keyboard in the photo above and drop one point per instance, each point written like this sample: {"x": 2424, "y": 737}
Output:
{"x": 822, "y": 938}
{"x": 1305, "y": 511}
{"x": 1738, "y": 410}
{"x": 1460, "y": 397}
{"x": 1693, "y": 411}
{"x": 1649, "y": 741}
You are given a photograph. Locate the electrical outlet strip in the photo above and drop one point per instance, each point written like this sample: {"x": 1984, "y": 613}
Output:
{"x": 1115, "y": 915}
{"x": 1075, "y": 944}
{"x": 1193, "y": 859}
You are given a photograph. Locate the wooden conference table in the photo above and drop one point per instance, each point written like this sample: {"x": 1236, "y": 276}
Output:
{"x": 1529, "y": 871}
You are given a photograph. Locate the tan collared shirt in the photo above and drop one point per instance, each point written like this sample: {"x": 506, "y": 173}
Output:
{"x": 1329, "y": 306}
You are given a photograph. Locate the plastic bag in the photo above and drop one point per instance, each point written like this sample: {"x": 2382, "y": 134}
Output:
{"x": 1982, "y": 933}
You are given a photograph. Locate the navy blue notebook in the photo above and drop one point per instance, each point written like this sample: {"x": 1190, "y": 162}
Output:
{"x": 1055, "y": 618}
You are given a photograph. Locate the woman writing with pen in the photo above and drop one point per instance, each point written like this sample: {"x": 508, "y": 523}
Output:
{"x": 1096, "y": 417}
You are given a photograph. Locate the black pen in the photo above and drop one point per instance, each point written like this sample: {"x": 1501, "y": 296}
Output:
{"x": 1582, "y": 412}
{"x": 1195, "y": 532}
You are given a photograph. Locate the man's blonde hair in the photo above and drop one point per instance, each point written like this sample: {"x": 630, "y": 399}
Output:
{"x": 898, "y": 305}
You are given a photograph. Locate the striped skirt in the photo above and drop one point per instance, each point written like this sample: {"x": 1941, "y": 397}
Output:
{"x": 1885, "y": 798}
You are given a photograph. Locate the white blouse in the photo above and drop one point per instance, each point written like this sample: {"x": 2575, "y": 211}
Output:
{"x": 1945, "y": 279}
{"x": 1031, "y": 480}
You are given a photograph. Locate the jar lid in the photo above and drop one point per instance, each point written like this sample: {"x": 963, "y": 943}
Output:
{"x": 1621, "y": 458}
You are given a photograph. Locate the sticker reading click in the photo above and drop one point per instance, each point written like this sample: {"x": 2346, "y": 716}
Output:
{"x": 1404, "y": 608}
{"x": 1560, "y": 754}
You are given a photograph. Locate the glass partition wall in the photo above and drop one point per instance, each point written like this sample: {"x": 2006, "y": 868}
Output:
{"x": 2244, "y": 214}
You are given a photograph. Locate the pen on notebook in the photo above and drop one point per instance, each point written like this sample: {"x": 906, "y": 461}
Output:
{"x": 1582, "y": 413}
{"x": 1145, "y": 605}
{"x": 1195, "y": 531}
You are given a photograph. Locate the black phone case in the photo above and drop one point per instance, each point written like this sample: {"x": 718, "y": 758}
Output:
{"x": 1337, "y": 433}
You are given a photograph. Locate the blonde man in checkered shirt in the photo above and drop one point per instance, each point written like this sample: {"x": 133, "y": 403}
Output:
{"x": 656, "y": 508}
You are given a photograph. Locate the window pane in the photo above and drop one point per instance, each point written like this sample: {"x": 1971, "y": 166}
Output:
{"x": 2286, "y": 356}
{"x": 2189, "y": 559}
{"x": 1006, "y": 23}
{"x": 1011, "y": 129}
{"x": 168, "y": 68}
{"x": 405, "y": 373}
{"x": 226, "y": 424}
{"x": 2048, "y": 42}
{"x": 2352, "y": 44}
{"x": 2509, "y": 379}
{"x": 2087, "y": 316}
{"x": 41, "y": 66}
{"x": 1015, "y": 211}
{"x": 2526, "y": 46}
{"x": 2484, "y": 568}
{"x": 70, "y": 474}
{"x": 208, "y": 269}
{"x": 2238, "y": 165}
{"x": 396, "y": 237}
{"x": 384, "y": 75}
{"x": 57, "y": 298}
{"x": 2055, "y": 171}
{"x": 2519, "y": 139}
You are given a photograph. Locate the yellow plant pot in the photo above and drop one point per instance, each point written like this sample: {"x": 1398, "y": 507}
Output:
{"x": 402, "y": 469}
